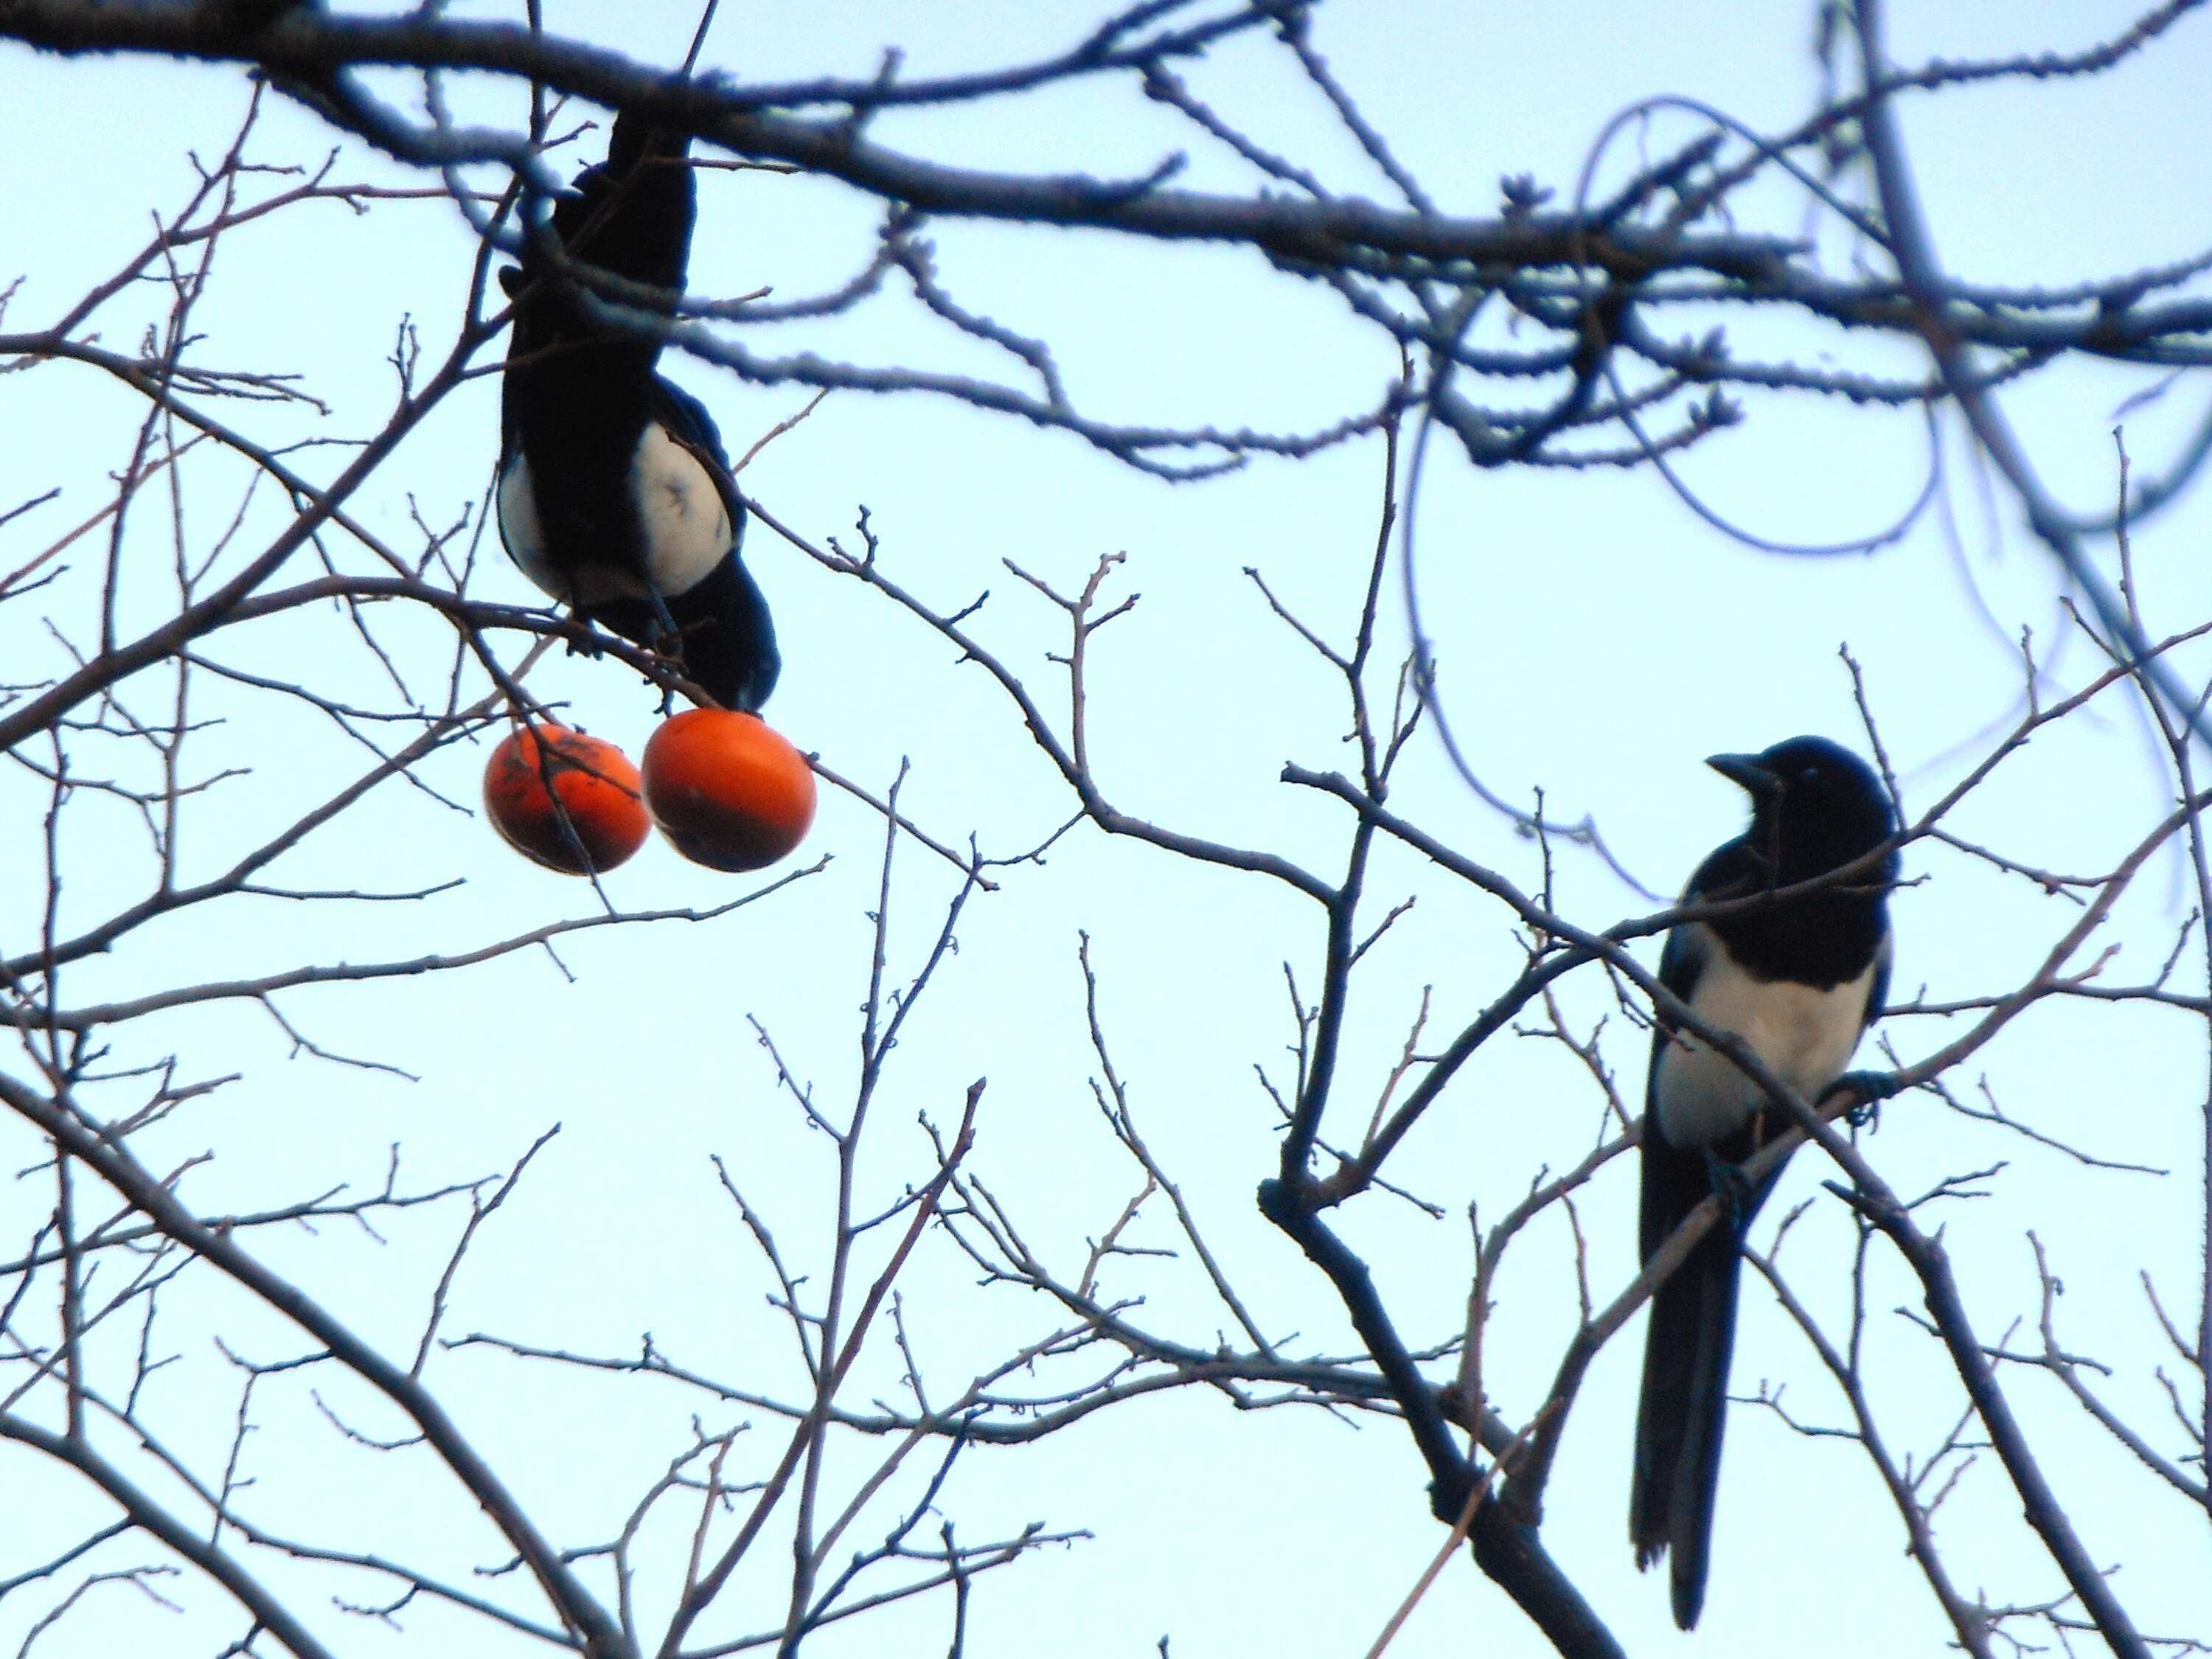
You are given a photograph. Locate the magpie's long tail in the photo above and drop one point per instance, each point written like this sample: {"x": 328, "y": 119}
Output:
{"x": 1680, "y": 1414}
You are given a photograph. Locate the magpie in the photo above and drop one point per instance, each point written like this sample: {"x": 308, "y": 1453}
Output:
{"x": 1798, "y": 980}
{"x": 615, "y": 494}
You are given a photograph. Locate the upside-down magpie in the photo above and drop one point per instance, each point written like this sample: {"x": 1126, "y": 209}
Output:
{"x": 615, "y": 495}
{"x": 1797, "y": 980}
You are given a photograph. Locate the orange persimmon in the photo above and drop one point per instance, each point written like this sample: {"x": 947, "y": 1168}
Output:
{"x": 728, "y": 790}
{"x": 600, "y": 819}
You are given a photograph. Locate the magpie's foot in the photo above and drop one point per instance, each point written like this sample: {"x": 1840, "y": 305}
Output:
{"x": 1733, "y": 1186}
{"x": 584, "y": 640}
{"x": 668, "y": 639}
{"x": 665, "y": 639}
{"x": 1872, "y": 1088}
{"x": 668, "y": 646}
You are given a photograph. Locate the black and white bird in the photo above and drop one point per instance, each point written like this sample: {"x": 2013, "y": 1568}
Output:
{"x": 615, "y": 495}
{"x": 1798, "y": 980}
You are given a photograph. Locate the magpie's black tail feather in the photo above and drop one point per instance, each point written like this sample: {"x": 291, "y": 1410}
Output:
{"x": 1681, "y": 1415}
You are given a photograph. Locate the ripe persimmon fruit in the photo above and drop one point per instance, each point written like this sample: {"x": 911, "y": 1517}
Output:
{"x": 599, "y": 819}
{"x": 728, "y": 790}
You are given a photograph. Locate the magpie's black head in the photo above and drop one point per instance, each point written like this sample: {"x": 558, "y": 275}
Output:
{"x": 1815, "y": 807}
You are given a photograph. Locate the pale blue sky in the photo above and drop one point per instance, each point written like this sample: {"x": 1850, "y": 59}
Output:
{"x": 1596, "y": 640}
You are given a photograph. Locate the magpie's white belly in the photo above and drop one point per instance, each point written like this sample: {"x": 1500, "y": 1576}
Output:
{"x": 1804, "y": 1033}
{"x": 687, "y": 528}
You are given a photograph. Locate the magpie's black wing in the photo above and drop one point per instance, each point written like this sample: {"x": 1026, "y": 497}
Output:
{"x": 1877, "y": 990}
{"x": 1681, "y": 965}
{"x": 1682, "y": 1407}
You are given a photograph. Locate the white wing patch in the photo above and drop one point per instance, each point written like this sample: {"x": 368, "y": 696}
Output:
{"x": 1805, "y": 1034}
{"x": 687, "y": 529}
{"x": 520, "y": 528}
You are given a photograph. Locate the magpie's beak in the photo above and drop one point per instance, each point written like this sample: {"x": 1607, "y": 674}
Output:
{"x": 1745, "y": 771}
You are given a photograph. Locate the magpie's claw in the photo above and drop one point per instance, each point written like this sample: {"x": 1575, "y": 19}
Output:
{"x": 1872, "y": 1088}
{"x": 1733, "y": 1186}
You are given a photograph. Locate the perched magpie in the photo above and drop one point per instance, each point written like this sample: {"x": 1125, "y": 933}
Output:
{"x": 1797, "y": 980}
{"x": 615, "y": 495}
